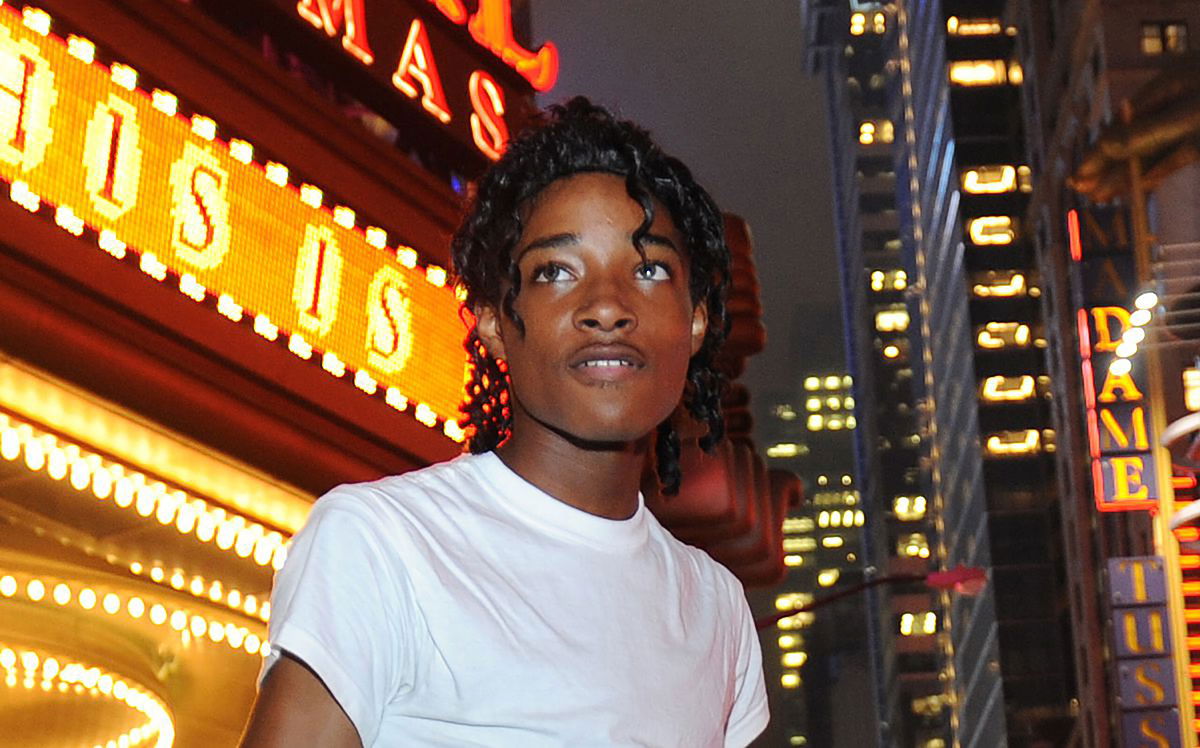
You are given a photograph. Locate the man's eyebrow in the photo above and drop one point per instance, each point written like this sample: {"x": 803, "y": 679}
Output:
{"x": 661, "y": 241}
{"x": 550, "y": 242}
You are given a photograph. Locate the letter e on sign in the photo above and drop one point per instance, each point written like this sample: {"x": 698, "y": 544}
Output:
{"x": 199, "y": 208}
{"x": 318, "y": 280}
{"x": 389, "y": 322}
{"x": 27, "y": 96}
{"x": 112, "y": 157}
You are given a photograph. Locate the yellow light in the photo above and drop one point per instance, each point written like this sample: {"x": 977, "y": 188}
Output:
{"x": 204, "y": 127}
{"x": 784, "y": 450}
{"x": 1191, "y": 389}
{"x": 832, "y": 541}
{"x": 1146, "y": 300}
{"x": 812, "y": 383}
{"x": 996, "y": 335}
{"x": 62, "y": 594}
{"x": 956, "y": 26}
{"x": 435, "y": 275}
{"x": 81, "y": 49}
{"x": 891, "y": 351}
{"x": 930, "y": 624}
{"x": 891, "y": 320}
{"x": 1001, "y": 285}
{"x": 376, "y": 237}
{"x": 111, "y": 604}
{"x": 241, "y": 150}
{"x": 793, "y": 560}
{"x": 344, "y": 216}
{"x": 828, "y": 577}
{"x": 793, "y": 659}
{"x": 991, "y": 230}
{"x": 136, "y": 607}
{"x": 978, "y": 72}
{"x": 165, "y": 102}
{"x": 906, "y": 624}
{"x": 87, "y": 598}
{"x": 999, "y": 388}
{"x": 311, "y": 195}
{"x": 36, "y": 19}
{"x": 833, "y": 382}
{"x": 277, "y": 173}
{"x": 790, "y": 680}
{"x": 990, "y": 180}
{"x": 788, "y": 641}
{"x": 1009, "y": 443}
{"x": 124, "y": 76}
{"x": 35, "y": 590}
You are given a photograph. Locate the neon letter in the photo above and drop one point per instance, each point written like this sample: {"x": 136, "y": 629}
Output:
{"x": 112, "y": 157}
{"x": 27, "y": 95}
{"x": 1153, "y": 692}
{"x": 1122, "y": 382}
{"x": 318, "y": 280}
{"x": 491, "y": 26}
{"x": 417, "y": 68}
{"x": 200, "y": 208}
{"x": 389, "y": 322}
{"x": 1137, "y": 418}
{"x": 488, "y": 128}
{"x": 331, "y": 15}
{"x": 1127, "y": 479}
{"x": 452, "y": 9}
{"x": 1105, "y": 340}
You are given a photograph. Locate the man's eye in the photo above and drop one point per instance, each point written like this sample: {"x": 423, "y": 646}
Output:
{"x": 655, "y": 271}
{"x": 548, "y": 273}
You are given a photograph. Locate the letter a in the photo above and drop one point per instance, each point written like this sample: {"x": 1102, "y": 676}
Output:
{"x": 417, "y": 68}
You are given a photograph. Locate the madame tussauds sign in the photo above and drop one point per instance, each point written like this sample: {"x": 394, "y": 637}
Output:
{"x": 432, "y": 63}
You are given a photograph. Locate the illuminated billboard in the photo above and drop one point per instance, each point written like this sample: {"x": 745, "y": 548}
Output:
{"x": 162, "y": 188}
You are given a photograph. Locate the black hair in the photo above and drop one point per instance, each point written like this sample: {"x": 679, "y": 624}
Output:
{"x": 573, "y": 138}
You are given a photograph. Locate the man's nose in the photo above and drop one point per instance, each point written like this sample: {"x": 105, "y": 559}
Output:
{"x": 606, "y": 310}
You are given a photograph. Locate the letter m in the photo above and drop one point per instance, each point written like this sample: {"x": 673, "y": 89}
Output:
{"x": 345, "y": 16}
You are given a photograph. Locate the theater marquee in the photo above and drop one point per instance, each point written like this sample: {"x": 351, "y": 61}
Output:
{"x": 82, "y": 142}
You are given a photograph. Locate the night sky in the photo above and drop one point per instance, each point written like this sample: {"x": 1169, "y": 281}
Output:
{"x": 722, "y": 86}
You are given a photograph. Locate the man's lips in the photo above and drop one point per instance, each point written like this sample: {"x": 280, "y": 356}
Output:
{"x": 607, "y": 361}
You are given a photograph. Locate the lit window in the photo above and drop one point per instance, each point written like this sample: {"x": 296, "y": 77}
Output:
{"x": 915, "y": 545}
{"x": 861, "y": 23}
{"x": 812, "y": 383}
{"x": 815, "y": 422}
{"x": 790, "y": 680}
{"x": 792, "y": 600}
{"x": 1191, "y": 389}
{"x": 906, "y": 624}
{"x": 892, "y": 319}
{"x": 793, "y": 659}
{"x": 895, "y": 351}
{"x": 1000, "y": 388}
{"x": 797, "y": 524}
{"x": 828, "y": 577}
{"x": 1010, "y": 443}
{"x": 832, "y": 382}
{"x": 785, "y": 412}
{"x": 999, "y": 284}
{"x": 992, "y": 230}
{"x": 909, "y": 508}
{"x": 956, "y": 26}
{"x": 996, "y": 335}
{"x": 812, "y": 404}
{"x": 848, "y": 402}
{"x": 888, "y": 280}
{"x": 984, "y": 72}
{"x": 990, "y": 180}
{"x": 792, "y": 560}
{"x": 784, "y": 450}
{"x": 789, "y": 641}
{"x": 832, "y": 541}
{"x": 799, "y": 545}
{"x": 873, "y": 131}
{"x": 1158, "y": 38}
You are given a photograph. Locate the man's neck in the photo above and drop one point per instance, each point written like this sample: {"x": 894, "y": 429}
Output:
{"x": 600, "y": 480}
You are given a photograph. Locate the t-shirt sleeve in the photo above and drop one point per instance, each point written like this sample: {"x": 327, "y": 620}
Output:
{"x": 749, "y": 715}
{"x": 344, "y": 611}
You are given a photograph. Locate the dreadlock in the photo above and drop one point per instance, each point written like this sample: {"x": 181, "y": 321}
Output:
{"x": 573, "y": 138}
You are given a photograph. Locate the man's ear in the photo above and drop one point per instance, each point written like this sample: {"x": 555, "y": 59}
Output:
{"x": 699, "y": 325}
{"x": 487, "y": 327}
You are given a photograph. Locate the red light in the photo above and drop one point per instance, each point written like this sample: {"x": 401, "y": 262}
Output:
{"x": 1183, "y": 482}
{"x": 1085, "y": 337}
{"x": 1189, "y": 561}
{"x": 1073, "y": 235}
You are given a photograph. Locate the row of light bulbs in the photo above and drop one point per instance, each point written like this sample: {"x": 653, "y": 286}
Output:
{"x": 1130, "y": 339}
{"x": 240, "y": 150}
{"x": 135, "y": 491}
{"x": 60, "y": 593}
{"x": 38, "y": 668}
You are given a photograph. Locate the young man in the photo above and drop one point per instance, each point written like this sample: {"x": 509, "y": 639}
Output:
{"x": 522, "y": 595}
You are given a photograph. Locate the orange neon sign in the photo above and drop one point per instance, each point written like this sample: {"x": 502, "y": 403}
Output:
{"x": 416, "y": 72}
{"x": 234, "y": 234}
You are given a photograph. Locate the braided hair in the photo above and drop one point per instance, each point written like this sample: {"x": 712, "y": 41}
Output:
{"x": 573, "y": 138}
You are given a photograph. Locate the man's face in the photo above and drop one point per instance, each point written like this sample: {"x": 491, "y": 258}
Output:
{"x": 608, "y": 332}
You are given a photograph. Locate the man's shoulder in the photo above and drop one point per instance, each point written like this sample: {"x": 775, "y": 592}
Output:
{"x": 437, "y": 488}
{"x": 708, "y": 571}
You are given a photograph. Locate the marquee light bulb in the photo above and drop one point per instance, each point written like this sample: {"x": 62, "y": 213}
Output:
{"x": 1120, "y": 367}
{"x": 1146, "y": 300}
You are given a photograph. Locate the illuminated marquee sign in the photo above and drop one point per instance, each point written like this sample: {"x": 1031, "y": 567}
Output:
{"x": 430, "y": 64}
{"x": 120, "y": 161}
{"x": 1121, "y": 447}
{"x": 1142, "y": 642}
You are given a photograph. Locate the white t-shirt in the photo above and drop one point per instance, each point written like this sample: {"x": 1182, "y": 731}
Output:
{"x": 459, "y": 605}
